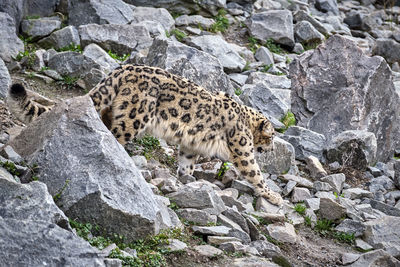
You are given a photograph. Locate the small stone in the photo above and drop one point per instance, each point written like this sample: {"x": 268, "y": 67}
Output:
{"x": 350, "y": 226}
{"x": 9, "y": 153}
{"x": 356, "y": 193}
{"x": 322, "y": 186}
{"x": 289, "y": 188}
{"x": 218, "y": 240}
{"x": 336, "y": 181}
{"x": 197, "y": 216}
{"x": 243, "y": 186}
{"x": 348, "y": 258}
{"x": 269, "y": 217}
{"x": 331, "y": 210}
{"x": 140, "y": 161}
{"x": 264, "y": 205}
{"x": 175, "y": 245}
{"x": 300, "y": 194}
{"x": 363, "y": 245}
{"x": 185, "y": 179}
{"x": 208, "y": 251}
{"x": 283, "y": 233}
{"x": 315, "y": 167}
{"x": 299, "y": 180}
{"x": 211, "y": 230}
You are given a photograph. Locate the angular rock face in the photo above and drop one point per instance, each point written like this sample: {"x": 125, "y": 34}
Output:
{"x": 353, "y": 148}
{"x": 29, "y": 202}
{"x": 218, "y": 47}
{"x": 44, "y": 244}
{"x": 191, "y": 63}
{"x": 387, "y": 48}
{"x": 61, "y": 38}
{"x": 10, "y": 44}
{"x": 160, "y": 15}
{"x": 106, "y": 188}
{"x": 337, "y": 88}
{"x": 38, "y": 28}
{"x": 274, "y": 24}
{"x": 5, "y": 79}
{"x": 100, "y": 12}
{"x": 109, "y": 37}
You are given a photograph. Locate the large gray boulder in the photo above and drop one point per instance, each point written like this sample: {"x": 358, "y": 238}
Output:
{"x": 264, "y": 100}
{"x": 336, "y": 88}
{"x": 353, "y": 148}
{"x": 387, "y": 48}
{"x": 10, "y": 44}
{"x": 327, "y": 6}
{"x": 101, "y": 57}
{"x": 5, "y": 79}
{"x": 160, "y": 15}
{"x": 89, "y": 173}
{"x": 305, "y": 142}
{"x": 19, "y": 9}
{"x": 29, "y": 202}
{"x": 276, "y": 161}
{"x": 83, "y": 12}
{"x": 38, "y": 28}
{"x": 273, "y": 24}
{"x": 384, "y": 233}
{"x": 218, "y": 47}
{"x": 305, "y": 33}
{"x": 39, "y": 243}
{"x": 190, "y": 63}
{"x": 62, "y": 38}
{"x": 120, "y": 39}
{"x": 183, "y": 6}
{"x": 72, "y": 64}
{"x": 375, "y": 258}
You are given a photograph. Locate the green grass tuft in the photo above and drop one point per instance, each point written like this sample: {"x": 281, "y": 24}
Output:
{"x": 221, "y": 22}
{"x": 274, "y": 47}
{"x": 118, "y": 57}
{"x": 179, "y": 35}
{"x": 300, "y": 209}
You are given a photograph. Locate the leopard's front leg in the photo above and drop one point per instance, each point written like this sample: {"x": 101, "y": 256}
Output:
{"x": 242, "y": 157}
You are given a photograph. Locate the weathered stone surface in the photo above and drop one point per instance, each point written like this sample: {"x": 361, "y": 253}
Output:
{"x": 355, "y": 193}
{"x": 385, "y": 208}
{"x": 191, "y": 63}
{"x": 305, "y": 142}
{"x": 336, "y": 88}
{"x": 353, "y": 148}
{"x": 396, "y": 178}
{"x": 10, "y": 44}
{"x": 327, "y": 6}
{"x": 184, "y": 6}
{"x": 208, "y": 251}
{"x": 194, "y": 20}
{"x": 387, "y": 48}
{"x": 109, "y": 190}
{"x": 300, "y": 194}
{"x": 299, "y": 180}
{"x": 273, "y": 24}
{"x": 218, "y": 47}
{"x": 72, "y": 64}
{"x": 202, "y": 197}
{"x": 315, "y": 167}
{"x": 99, "y": 12}
{"x": 5, "y": 79}
{"x": 301, "y": 15}
{"x": 359, "y": 243}
{"x": 38, "y": 28}
{"x": 175, "y": 245}
{"x": 269, "y": 80}
{"x": 283, "y": 233}
{"x": 253, "y": 262}
{"x": 211, "y": 230}
{"x": 54, "y": 246}
{"x": 101, "y": 57}
{"x": 322, "y": 186}
{"x": 237, "y": 218}
{"x": 331, "y": 210}
{"x": 336, "y": 181}
{"x": 348, "y": 258}
{"x": 120, "y": 39}
{"x": 29, "y": 202}
{"x": 160, "y": 15}
{"x": 276, "y": 161}
{"x": 264, "y": 55}
{"x": 312, "y": 203}
{"x": 264, "y": 100}
{"x": 375, "y": 258}
{"x": 266, "y": 249}
{"x": 218, "y": 240}
{"x": 61, "y": 38}
{"x": 197, "y": 216}
{"x": 235, "y": 246}
{"x": 304, "y": 32}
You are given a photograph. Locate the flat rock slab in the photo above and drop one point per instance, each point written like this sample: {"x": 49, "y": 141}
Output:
{"x": 89, "y": 173}
{"x": 375, "y": 258}
{"x": 283, "y": 233}
{"x": 331, "y": 210}
{"x": 44, "y": 244}
{"x": 253, "y": 262}
{"x": 208, "y": 251}
{"x": 211, "y": 230}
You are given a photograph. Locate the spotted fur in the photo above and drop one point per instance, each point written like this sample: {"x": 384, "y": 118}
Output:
{"x": 134, "y": 99}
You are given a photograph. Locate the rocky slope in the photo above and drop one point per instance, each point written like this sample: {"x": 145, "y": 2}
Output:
{"x": 327, "y": 74}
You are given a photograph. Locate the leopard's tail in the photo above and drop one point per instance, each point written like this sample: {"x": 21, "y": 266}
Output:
{"x": 27, "y": 105}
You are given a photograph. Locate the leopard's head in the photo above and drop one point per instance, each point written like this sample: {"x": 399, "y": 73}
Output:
{"x": 263, "y": 136}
